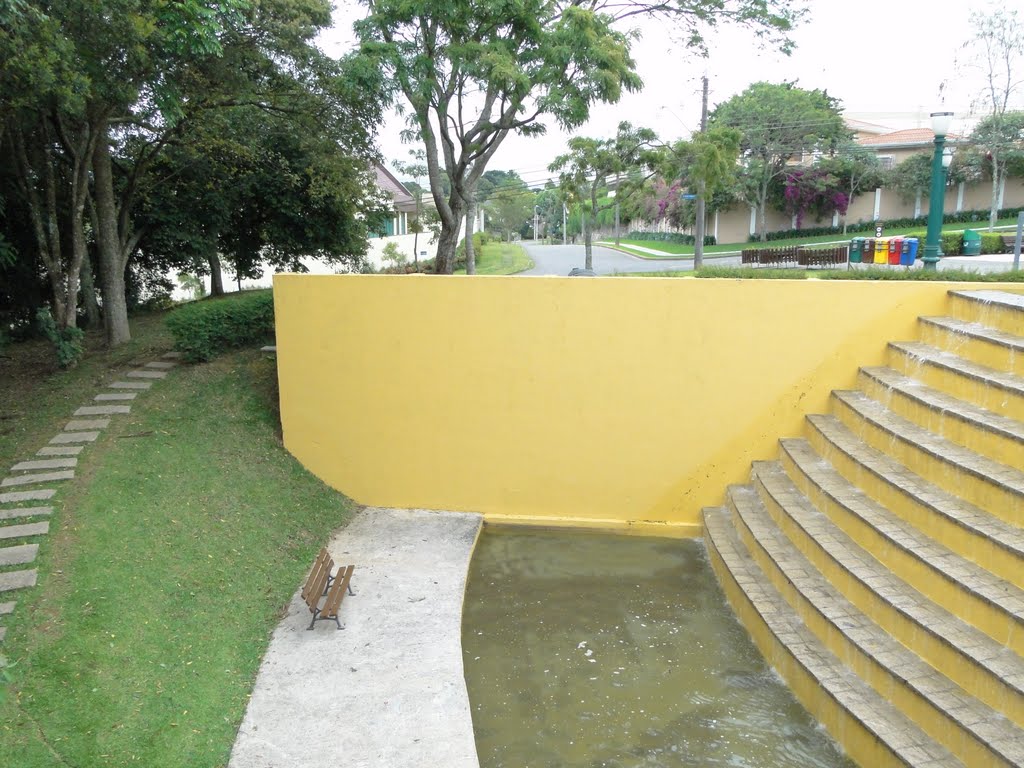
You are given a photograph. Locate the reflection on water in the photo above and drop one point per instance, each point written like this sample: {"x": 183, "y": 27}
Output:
{"x": 588, "y": 650}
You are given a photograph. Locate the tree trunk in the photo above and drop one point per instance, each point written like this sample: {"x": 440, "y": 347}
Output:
{"x": 761, "y": 216}
{"x": 470, "y": 252}
{"x": 588, "y": 248}
{"x": 993, "y": 214}
{"x": 93, "y": 318}
{"x": 216, "y": 276}
{"x": 113, "y": 258}
{"x": 447, "y": 242}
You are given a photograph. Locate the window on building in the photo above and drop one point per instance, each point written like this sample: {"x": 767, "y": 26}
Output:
{"x": 887, "y": 161}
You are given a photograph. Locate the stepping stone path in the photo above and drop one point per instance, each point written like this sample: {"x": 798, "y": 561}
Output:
{"x": 52, "y": 464}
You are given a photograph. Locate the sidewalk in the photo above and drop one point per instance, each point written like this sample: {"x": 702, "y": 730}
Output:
{"x": 388, "y": 689}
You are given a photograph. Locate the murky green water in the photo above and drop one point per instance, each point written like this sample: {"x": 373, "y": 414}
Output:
{"x": 586, "y": 650}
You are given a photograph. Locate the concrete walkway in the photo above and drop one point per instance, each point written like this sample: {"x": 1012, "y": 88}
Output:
{"x": 20, "y": 516}
{"x": 388, "y": 690}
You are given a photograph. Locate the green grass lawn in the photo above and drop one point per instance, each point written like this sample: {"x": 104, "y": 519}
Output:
{"x": 170, "y": 560}
{"x": 677, "y": 250}
{"x": 501, "y": 259}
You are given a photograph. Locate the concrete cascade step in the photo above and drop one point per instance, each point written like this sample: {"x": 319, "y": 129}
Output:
{"x": 102, "y": 410}
{"x": 996, "y": 309}
{"x": 978, "y": 479}
{"x": 991, "y": 434}
{"x": 16, "y": 497}
{"x": 982, "y": 599}
{"x": 996, "y": 391}
{"x": 971, "y": 730}
{"x": 953, "y": 522}
{"x": 982, "y": 666}
{"x": 974, "y": 341}
{"x": 872, "y": 731}
{"x": 60, "y": 450}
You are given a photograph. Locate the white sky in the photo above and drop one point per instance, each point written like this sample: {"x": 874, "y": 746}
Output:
{"x": 884, "y": 59}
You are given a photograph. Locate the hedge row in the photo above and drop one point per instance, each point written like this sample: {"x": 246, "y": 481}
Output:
{"x": 670, "y": 237}
{"x": 210, "y": 327}
{"x": 963, "y": 217}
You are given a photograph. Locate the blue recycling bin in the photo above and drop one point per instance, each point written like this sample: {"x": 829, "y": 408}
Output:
{"x": 909, "y": 253}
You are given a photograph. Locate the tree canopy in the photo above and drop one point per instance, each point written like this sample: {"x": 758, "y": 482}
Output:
{"x": 778, "y": 123}
{"x": 473, "y": 71}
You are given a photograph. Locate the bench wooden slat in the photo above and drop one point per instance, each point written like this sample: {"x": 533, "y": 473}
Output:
{"x": 337, "y": 593}
{"x": 318, "y": 579}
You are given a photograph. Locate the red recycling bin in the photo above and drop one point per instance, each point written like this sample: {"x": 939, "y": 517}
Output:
{"x": 895, "y": 250}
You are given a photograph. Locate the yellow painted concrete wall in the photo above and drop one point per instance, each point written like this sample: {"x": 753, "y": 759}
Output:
{"x": 618, "y": 402}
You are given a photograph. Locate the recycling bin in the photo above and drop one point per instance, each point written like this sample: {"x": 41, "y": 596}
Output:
{"x": 882, "y": 250}
{"x": 869, "y": 250}
{"x": 856, "y": 250}
{"x": 909, "y": 252}
{"x": 895, "y": 250}
{"x": 972, "y": 243}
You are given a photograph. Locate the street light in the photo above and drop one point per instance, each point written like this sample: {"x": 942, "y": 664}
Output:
{"x": 940, "y": 125}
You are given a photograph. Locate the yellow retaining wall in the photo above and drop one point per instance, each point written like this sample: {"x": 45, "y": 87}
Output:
{"x": 623, "y": 403}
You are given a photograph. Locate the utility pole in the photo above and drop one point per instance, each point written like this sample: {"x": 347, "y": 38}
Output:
{"x": 563, "y": 223}
{"x": 698, "y": 230}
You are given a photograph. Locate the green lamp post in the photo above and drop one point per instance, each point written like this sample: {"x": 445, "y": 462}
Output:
{"x": 940, "y": 125}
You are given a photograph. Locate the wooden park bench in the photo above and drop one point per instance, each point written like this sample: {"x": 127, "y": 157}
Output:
{"x": 321, "y": 584}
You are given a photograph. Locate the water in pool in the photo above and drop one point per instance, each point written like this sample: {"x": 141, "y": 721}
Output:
{"x": 598, "y": 651}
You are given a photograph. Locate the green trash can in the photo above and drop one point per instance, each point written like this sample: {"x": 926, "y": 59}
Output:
{"x": 856, "y": 249}
{"x": 972, "y": 243}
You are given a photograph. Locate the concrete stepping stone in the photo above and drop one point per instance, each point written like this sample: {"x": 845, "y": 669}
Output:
{"x": 143, "y": 374}
{"x": 7, "y": 608}
{"x": 130, "y": 385}
{"x": 75, "y": 437}
{"x": 14, "y": 514}
{"x": 19, "y": 555}
{"x": 13, "y": 497}
{"x": 17, "y": 580}
{"x": 26, "y": 529}
{"x": 60, "y": 450}
{"x": 79, "y": 425}
{"x": 102, "y": 410}
{"x": 37, "y": 477}
{"x": 26, "y": 466}
{"x": 160, "y": 366}
{"x": 106, "y": 396}
{"x": 171, "y": 355}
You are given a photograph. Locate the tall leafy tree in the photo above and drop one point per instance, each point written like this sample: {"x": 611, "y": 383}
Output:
{"x": 997, "y": 49}
{"x": 856, "y": 169}
{"x": 474, "y": 71}
{"x": 1000, "y": 138}
{"x": 779, "y": 123}
{"x": 584, "y": 171}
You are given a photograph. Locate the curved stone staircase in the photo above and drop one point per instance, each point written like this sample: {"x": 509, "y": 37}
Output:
{"x": 878, "y": 562}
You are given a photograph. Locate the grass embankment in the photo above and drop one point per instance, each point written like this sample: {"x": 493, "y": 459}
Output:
{"x": 880, "y": 273}
{"x": 677, "y": 250}
{"x": 170, "y": 559}
{"x": 499, "y": 258}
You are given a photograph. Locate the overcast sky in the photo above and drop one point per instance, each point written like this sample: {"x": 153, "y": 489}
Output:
{"x": 884, "y": 59}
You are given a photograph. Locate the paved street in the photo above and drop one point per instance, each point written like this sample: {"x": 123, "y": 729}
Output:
{"x": 559, "y": 259}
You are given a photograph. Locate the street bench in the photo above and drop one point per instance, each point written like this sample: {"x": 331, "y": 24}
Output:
{"x": 322, "y": 585}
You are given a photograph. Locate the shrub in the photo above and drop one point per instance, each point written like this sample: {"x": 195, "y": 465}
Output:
{"x": 992, "y": 242}
{"x": 204, "y": 329}
{"x": 68, "y": 343}
{"x": 952, "y": 244}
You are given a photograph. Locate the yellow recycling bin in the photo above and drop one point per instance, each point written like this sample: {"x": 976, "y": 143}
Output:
{"x": 882, "y": 250}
